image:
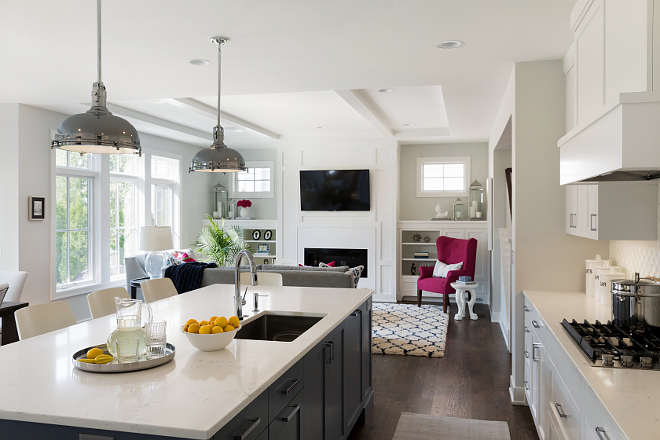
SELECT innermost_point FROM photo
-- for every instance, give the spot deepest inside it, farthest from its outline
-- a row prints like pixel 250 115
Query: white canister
pixel 589 274
pixel 604 288
pixel 598 273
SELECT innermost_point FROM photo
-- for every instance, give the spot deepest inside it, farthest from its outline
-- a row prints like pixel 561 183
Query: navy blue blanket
pixel 187 276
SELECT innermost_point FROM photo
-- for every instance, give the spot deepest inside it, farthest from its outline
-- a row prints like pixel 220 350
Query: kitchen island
pixel 192 397
pixel 620 402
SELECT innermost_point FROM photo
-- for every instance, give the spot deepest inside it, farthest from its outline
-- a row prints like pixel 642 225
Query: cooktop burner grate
pixel 611 345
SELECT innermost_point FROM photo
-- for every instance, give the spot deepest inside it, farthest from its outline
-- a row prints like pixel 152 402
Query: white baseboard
pixel 517 394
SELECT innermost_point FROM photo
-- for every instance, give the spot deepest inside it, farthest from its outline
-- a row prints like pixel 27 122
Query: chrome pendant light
pixel 218 157
pixel 97 130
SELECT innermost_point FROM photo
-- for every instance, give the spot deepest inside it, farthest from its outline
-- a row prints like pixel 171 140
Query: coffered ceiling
pixel 291 67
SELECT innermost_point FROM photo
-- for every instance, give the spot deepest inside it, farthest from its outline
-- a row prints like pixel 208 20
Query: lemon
pixel 191 321
pixel 205 330
pixel 216 329
pixel 185 328
pixel 221 321
pixel 103 359
pixel 87 361
pixel 212 319
pixel 229 328
pixel 92 353
pixel 234 322
pixel 193 328
pixel 203 323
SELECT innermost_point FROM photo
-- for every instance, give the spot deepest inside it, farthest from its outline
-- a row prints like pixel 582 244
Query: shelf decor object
pixel 37 206
pixel 218 157
pixel 256 234
pixel 458 209
pixel 476 206
pixel 220 201
pixel 97 130
pixel 243 212
pixel 268 234
pixel 263 248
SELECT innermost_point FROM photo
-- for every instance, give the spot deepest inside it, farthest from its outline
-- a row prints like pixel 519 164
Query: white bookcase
pixel 249 227
pixel 431 230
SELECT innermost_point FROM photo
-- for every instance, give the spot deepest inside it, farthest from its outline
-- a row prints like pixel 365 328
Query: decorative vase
pixel 244 212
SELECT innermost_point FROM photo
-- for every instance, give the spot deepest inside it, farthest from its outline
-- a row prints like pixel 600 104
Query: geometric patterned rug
pixel 409 330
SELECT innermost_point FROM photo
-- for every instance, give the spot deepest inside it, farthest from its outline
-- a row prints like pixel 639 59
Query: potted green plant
pixel 219 244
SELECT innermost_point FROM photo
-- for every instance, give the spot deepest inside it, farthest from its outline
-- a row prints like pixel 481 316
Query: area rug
pixel 423 427
pixel 409 330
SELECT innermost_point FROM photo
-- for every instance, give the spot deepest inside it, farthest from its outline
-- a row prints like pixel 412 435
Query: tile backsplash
pixel 638 256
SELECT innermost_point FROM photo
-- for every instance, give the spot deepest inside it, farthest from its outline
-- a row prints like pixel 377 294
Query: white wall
pixel 545 257
pixel 9 206
pixel 423 208
pixel 380 157
pixel 27 243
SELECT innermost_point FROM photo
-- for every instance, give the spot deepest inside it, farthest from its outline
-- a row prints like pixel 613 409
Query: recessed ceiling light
pixel 199 62
pixel 385 90
pixel 238 130
pixel 157 101
pixel 321 127
pixel 450 44
pixel 409 124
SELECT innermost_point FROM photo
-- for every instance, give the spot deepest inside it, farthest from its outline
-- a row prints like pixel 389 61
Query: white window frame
pixel 233 187
pixel 175 184
pixel 135 180
pixel 421 161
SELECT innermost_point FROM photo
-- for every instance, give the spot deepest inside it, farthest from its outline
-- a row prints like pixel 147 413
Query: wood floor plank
pixel 470 381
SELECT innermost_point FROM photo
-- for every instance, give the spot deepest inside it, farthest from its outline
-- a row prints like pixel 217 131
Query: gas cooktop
pixel 614 346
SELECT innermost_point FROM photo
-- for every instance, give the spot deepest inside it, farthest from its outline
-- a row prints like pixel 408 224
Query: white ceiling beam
pixel 421 132
pixel 134 114
pixel 368 109
pixel 211 112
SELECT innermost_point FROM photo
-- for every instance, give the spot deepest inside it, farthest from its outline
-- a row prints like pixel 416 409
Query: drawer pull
pixel 330 356
pixel 535 324
pixel 255 422
pixel 358 312
pixel 293 385
pixel 526 308
pixel 294 410
pixel 534 347
pixel 527 385
pixel 598 431
pixel 527 354
pixel 526 329
pixel 560 411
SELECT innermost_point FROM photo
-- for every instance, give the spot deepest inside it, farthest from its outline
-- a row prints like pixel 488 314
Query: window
pixel 123 221
pixel 256 182
pixel 164 182
pixel 443 176
pixel 73 235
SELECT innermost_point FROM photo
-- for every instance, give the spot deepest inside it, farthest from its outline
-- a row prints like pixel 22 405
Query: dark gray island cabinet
pixel 321 397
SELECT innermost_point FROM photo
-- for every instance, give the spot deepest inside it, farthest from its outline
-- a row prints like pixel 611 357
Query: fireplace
pixel 341 257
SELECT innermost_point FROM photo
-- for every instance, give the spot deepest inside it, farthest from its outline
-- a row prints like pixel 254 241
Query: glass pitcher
pixel 129 323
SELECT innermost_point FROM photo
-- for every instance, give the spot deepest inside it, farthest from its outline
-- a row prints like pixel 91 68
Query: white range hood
pixel 622 144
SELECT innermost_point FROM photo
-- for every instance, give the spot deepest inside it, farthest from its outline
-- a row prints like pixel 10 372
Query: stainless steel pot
pixel 636 302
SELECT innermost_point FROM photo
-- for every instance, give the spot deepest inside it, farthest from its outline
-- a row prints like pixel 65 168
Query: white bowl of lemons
pixel 212 335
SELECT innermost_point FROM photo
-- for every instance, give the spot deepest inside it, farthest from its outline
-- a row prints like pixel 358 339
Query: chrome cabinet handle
pixel 560 411
pixel 356 313
pixel 534 347
pixel 255 423
pixel 598 431
pixel 535 324
pixel 527 385
pixel 527 354
pixel 294 410
pixel 526 329
pixel 593 228
pixel 526 308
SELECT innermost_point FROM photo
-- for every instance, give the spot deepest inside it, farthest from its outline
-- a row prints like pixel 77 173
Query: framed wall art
pixel 37 208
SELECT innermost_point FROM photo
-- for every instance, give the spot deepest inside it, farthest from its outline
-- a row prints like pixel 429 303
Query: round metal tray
pixel 114 367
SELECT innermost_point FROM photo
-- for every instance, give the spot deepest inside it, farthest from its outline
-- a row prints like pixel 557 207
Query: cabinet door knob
pixel 526 308
pixel 255 422
pixel 535 324
pixel 526 329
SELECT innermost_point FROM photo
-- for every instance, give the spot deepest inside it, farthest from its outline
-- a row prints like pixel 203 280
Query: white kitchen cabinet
pixel 536 360
pixel 612 210
pixel 429 231
pixel 590 39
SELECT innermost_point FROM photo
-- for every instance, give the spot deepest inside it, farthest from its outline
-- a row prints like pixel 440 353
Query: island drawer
pixel 533 321
pixel 288 424
pixel 284 390
pixel 249 423
pixel 597 423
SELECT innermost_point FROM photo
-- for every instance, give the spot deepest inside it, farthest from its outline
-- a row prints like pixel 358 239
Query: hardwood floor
pixel 471 381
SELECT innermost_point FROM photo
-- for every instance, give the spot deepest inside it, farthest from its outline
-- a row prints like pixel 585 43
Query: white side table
pixel 460 299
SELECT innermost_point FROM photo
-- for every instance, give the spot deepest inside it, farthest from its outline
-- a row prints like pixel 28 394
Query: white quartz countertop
pixel 191 397
pixel 631 396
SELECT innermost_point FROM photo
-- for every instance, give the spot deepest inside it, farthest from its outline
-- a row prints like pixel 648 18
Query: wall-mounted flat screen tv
pixel 334 190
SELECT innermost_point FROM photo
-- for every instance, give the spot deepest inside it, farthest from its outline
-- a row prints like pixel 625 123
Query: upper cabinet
pixel 612 91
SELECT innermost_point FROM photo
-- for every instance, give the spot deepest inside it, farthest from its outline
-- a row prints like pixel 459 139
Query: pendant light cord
pixel 98 33
pixel 219 77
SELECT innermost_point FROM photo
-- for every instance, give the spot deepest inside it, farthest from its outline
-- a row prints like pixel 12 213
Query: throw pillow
pixel 355 273
pixel 441 269
pixel 330 264
pixel 183 256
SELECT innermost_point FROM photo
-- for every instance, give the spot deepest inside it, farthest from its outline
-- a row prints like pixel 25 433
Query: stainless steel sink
pixel 276 327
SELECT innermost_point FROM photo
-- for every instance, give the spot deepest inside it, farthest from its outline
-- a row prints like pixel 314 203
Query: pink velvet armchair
pixel 450 251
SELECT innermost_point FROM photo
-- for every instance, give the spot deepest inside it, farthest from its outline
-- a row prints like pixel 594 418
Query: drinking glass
pixel 155 337
pixel 128 350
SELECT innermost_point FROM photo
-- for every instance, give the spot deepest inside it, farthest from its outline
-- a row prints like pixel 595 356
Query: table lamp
pixel 155 239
